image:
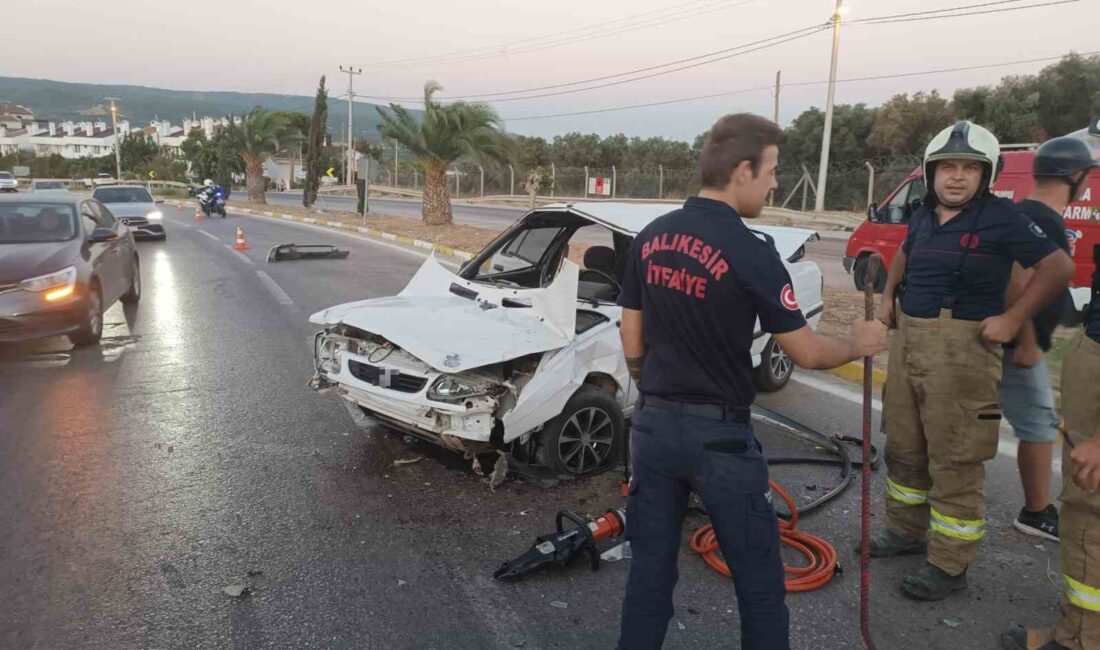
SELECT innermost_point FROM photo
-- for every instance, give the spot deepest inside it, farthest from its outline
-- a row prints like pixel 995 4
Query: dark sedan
pixel 63 261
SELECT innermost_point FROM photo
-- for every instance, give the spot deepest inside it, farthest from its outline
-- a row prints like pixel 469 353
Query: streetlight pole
pixel 827 133
pixel 350 71
pixel 118 142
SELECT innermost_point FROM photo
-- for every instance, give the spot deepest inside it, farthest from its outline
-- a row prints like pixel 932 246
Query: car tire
pixel 587 436
pixel 775 368
pixel 132 296
pixel 859 272
pixel 91 329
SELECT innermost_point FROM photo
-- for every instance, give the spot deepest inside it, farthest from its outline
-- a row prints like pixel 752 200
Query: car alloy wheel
pixel 586 440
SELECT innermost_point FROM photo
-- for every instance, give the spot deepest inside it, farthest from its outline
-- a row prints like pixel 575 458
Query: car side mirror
pixel 872 212
pixel 100 235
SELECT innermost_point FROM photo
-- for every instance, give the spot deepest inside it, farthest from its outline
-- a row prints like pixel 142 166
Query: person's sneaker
pixel 1019 638
pixel 887 543
pixel 1040 524
pixel 932 583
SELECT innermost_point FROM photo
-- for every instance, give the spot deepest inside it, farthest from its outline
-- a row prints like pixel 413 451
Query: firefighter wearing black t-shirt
pixel 940 401
pixel 696 281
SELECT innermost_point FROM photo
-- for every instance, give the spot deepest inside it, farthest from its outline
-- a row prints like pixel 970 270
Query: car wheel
pixel 775 368
pixel 585 438
pixel 91 330
pixel 132 296
pixel 859 272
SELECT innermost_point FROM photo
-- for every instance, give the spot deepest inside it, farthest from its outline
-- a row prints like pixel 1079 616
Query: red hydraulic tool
pixel 562 547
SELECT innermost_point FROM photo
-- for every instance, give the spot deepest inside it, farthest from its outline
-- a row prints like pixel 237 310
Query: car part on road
pixel 562 547
pixel 305 252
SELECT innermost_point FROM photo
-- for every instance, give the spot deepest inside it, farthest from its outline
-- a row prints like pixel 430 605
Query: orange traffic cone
pixel 241 244
pixel 198 214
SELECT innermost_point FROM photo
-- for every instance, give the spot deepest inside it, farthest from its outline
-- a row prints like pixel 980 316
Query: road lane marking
pixel 214 237
pixel 275 289
pixel 247 259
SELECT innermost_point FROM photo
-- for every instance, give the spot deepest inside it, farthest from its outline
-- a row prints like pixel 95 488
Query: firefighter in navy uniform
pixel 941 415
pixel 1078 624
pixel 695 283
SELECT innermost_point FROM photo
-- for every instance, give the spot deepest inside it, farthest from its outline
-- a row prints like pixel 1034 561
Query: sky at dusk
pixel 477 47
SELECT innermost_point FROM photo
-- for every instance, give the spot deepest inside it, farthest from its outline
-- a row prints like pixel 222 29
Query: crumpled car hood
pixel 453 333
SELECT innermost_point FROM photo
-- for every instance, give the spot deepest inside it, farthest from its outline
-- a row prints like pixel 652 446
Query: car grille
pixel 134 221
pixel 10 327
pixel 397 381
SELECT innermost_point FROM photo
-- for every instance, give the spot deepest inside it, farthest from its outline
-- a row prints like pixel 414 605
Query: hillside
pixel 56 100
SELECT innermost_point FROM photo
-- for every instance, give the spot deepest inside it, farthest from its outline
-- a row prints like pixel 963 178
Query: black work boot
pixel 931 583
pixel 1019 638
pixel 887 543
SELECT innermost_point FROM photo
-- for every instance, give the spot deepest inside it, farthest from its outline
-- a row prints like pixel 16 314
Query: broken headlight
pixel 451 388
pixel 326 354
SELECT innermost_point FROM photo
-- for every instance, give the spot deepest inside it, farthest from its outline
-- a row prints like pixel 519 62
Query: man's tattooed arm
pixel 634 365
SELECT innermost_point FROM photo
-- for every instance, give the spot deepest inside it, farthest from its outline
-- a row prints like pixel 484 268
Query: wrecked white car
pixel 518 353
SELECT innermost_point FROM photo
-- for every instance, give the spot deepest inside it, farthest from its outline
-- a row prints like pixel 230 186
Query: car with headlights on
pixel 64 259
pixel 8 182
pixel 136 208
pixel 518 352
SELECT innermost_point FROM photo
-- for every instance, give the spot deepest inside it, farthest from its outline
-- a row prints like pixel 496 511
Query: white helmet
pixel 964 141
pixel 208 183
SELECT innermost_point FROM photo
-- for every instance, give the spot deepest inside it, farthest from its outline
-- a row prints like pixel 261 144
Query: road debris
pixel 559 604
pixel 952 622
pixel 407 461
pixel 236 591
pixel 305 252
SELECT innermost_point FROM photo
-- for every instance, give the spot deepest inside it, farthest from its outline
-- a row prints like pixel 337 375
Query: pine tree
pixel 315 145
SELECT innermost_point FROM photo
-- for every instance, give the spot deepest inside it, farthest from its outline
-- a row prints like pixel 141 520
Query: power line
pixel 969 13
pixel 933 11
pixel 806 31
pixel 495 50
pixel 801 83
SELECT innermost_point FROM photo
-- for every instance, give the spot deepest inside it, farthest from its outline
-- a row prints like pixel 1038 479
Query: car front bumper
pixel 148 231
pixel 25 315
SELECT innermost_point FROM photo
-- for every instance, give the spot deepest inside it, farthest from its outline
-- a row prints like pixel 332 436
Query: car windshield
pixel 123 195
pixel 6 176
pixel 49 185
pixel 28 223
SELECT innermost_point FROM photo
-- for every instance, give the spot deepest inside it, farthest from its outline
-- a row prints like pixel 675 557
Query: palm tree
pixel 445 134
pixel 259 135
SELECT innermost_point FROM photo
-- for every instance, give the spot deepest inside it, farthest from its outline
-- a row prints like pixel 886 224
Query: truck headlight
pixel 155 215
pixel 326 354
pixel 452 388
pixel 58 284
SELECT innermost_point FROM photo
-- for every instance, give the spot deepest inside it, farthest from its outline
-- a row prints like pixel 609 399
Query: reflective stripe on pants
pixel 907 495
pixel 968 529
pixel 1082 595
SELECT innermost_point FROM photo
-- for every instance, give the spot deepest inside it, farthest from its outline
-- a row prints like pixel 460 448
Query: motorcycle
pixel 212 203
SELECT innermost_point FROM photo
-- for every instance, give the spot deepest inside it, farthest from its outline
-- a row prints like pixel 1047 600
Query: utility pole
pixel 395 145
pixel 118 142
pixel 827 133
pixel 351 72
pixel 775 113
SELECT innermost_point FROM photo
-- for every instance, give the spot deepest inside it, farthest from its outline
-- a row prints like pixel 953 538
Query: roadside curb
pixel 853 371
pixel 439 249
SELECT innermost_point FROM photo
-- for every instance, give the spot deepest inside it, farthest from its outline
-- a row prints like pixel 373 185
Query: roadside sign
pixel 21 171
pixel 600 186
pixel 329 171
pixel 152 174
pixel 300 174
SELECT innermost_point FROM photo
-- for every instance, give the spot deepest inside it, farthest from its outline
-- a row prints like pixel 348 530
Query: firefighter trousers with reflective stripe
pixel 1078 626
pixel 941 420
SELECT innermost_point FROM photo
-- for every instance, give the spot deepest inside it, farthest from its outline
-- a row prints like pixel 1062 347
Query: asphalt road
pixel 828 252
pixel 186 455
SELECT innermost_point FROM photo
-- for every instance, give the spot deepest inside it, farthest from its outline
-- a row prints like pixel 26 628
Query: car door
pixel 116 257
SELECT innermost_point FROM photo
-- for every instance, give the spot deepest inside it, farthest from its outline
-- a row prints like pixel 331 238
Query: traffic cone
pixel 198 214
pixel 241 244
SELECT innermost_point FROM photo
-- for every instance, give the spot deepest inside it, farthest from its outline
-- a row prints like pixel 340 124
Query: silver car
pixel 135 207
pixel 8 182
pixel 44 185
